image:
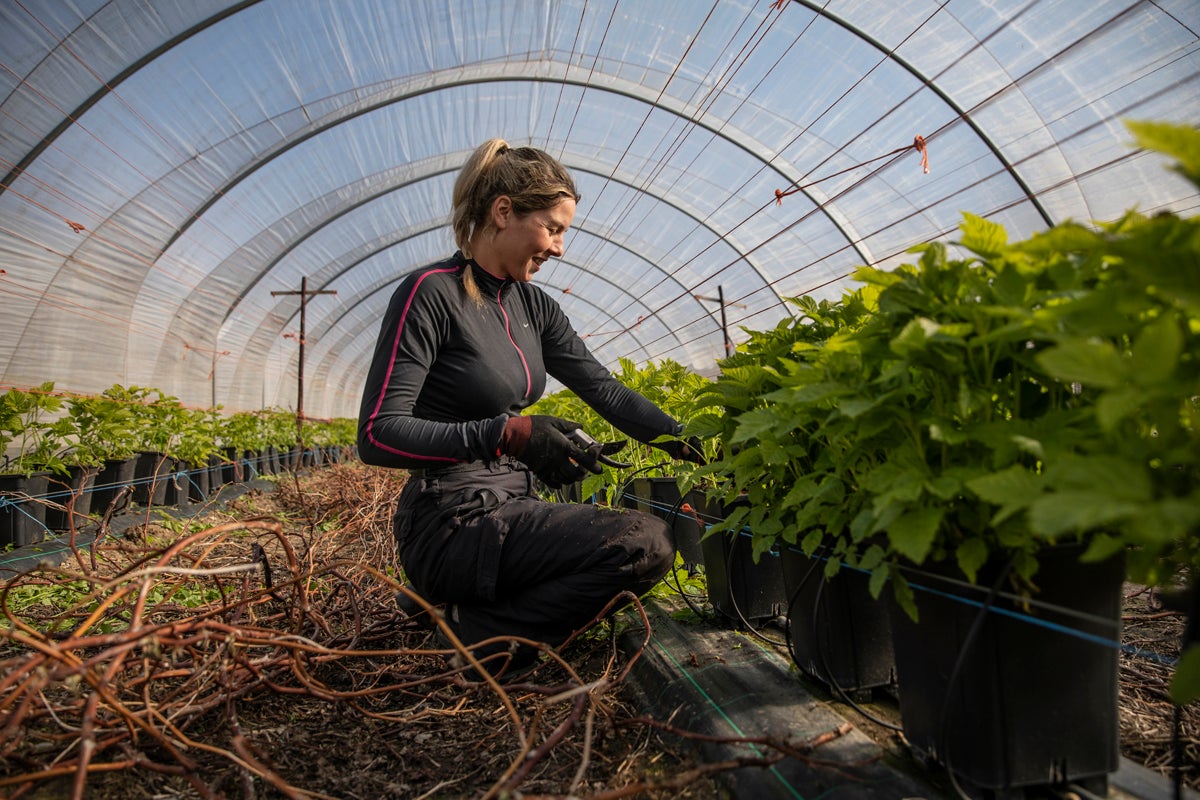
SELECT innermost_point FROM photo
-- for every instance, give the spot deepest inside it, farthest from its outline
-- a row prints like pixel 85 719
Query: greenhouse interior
pixel 866 336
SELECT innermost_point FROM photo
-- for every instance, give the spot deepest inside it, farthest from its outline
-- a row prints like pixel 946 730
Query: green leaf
pixel 1059 513
pixel 982 236
pixel 944 431
pixel 1156 352
pixel 1117 404
pixel 754 424
pixel 1102 547
pixel 1185 683
pixel 872 557
pixel 944 487
pixel 801 491
pixel 852 407
pixel 1113 476
pixel 1015 486
pixel 972 554
pixel 913 532
pixel 812 541
pixel 879 577
pixel 904 596
pixel 1181 142
pixel 1093 363
pixel 914 337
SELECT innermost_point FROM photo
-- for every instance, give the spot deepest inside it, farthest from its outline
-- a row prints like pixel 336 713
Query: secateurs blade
pixel 598 452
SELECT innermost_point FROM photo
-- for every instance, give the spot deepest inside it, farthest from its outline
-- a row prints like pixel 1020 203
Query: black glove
pixel 542 443
pixel 683 450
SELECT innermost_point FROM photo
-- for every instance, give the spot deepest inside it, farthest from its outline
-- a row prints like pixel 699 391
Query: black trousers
pixel 515 565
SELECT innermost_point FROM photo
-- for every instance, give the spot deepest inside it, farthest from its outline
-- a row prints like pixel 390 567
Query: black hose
pixel 976 626
pixel 832 681
pixel 733 600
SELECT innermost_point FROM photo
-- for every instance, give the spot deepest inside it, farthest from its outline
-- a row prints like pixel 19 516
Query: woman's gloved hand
pixel 542 443
pixel 690 449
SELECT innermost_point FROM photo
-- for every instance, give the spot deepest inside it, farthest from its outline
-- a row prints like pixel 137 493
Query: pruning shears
pixel 598 452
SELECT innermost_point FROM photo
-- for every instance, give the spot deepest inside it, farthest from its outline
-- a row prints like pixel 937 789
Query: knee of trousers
pixel 656 546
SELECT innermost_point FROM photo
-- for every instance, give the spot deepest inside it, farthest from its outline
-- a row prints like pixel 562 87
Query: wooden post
pixel 304 295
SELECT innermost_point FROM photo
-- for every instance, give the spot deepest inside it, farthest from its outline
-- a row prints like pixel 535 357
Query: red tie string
pixel 918 144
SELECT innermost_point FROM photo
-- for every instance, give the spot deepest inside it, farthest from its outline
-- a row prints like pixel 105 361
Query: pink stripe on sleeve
pixel 387 379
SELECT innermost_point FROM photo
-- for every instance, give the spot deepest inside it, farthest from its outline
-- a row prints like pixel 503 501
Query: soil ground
pixel 253 649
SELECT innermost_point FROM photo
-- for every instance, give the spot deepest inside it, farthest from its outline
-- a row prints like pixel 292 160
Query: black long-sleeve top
pixel 447 372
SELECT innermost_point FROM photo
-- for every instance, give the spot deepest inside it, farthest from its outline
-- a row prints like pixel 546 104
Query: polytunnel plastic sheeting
pixel 171 167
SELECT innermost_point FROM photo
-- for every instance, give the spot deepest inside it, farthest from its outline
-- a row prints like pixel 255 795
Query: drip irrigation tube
pixel 832 679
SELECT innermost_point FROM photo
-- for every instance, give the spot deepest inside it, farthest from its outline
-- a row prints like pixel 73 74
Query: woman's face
pixel 517 246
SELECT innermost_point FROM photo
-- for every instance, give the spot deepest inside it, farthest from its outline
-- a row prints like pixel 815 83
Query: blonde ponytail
pixel 532 179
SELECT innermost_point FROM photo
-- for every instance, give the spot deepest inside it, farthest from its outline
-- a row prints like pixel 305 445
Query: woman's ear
pixel 502 211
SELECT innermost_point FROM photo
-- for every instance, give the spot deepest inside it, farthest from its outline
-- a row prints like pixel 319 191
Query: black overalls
pixel 446 375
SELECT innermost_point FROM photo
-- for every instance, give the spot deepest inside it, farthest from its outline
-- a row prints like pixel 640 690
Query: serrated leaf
pixel 904 596
pixel 872 557
pixel 972 554
pixel 1117 404
pixel 1156 352
pixel 946 433
pixel 912 533
pixel 983 236
pixel 943 487
pixel 753 424
pixel 1059 513
pixel 879 577
pixel 914 337
pixel 1112 476
pixel 802 490
pixel 812 541
pixel 1185 683
pixel 1092 363
pixel 1014 486
pixel 1181 142
pixel 853 407
pixel 1102 547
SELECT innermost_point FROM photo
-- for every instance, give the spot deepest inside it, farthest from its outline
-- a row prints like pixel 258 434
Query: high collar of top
pixel 489 284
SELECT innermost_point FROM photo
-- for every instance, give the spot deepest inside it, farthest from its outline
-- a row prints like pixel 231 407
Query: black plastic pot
pixel 115 476
pixel 150 475
pixel 216 474
pixel 22 512
pixel 740 589
pixel 270 460
pixel 232 470
pixel 74 494
pixel 837 632
pixel 199 482
pixel 253 461
pixel 178 480
pixel 1010 700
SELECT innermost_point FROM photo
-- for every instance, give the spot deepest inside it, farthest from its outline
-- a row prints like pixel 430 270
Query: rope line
pixel 800 133
pixel 1074 178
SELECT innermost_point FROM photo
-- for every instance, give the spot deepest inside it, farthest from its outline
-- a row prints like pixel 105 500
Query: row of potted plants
pixel 75 451
pixel 1019 419
pixel 944 477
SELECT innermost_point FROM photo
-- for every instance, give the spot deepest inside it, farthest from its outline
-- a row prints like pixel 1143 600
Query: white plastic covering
pixel 171 163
